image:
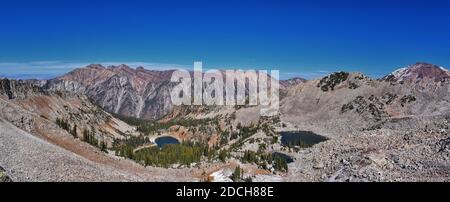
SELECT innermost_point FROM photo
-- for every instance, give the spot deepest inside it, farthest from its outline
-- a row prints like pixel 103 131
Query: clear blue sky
pixel 305 37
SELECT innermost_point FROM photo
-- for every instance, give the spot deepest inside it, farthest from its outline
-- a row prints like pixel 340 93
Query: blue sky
pixel 300 38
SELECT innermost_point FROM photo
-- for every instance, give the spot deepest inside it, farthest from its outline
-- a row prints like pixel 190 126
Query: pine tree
pixel 103 146
pixel 236 174
pixel 223 154
pixel 86 135
pixel 64 125
pixel 58 122
pixel 74 131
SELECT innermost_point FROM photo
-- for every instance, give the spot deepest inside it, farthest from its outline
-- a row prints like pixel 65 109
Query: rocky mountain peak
pixel 123 69
pixel 95 66
pixel 121 66
pixel 120 89
pixel 292 82
pixel 418 72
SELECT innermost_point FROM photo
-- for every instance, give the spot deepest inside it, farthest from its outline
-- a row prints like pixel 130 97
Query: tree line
pixel 185 153
pixel 263 160
pixel 64 124
pixel 88 136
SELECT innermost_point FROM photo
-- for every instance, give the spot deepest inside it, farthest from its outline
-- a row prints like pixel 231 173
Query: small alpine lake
pixel 301 139
pixel 165 140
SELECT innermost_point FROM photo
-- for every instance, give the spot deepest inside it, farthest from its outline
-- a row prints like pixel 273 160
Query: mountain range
pixel 387 129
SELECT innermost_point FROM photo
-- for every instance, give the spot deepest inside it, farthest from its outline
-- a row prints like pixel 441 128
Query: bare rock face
pixel 120 89
pixel 18 88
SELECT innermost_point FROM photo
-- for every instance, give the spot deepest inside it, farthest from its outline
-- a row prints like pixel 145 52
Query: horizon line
pixel 44 70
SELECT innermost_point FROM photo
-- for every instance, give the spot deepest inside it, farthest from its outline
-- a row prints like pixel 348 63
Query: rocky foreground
pixel 28 158
pixel 420 153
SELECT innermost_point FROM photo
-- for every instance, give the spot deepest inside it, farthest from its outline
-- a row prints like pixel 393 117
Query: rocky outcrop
pixel 329 82
pixel 18 88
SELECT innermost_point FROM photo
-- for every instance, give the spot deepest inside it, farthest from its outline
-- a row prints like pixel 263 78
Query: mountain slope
pixel 379 130
pixel 35 110
pixel 345 102
pixel 34 147
pixel 28 158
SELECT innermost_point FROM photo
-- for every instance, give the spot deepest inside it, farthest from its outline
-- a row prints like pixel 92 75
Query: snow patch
pixel 221 176
pixel 399 72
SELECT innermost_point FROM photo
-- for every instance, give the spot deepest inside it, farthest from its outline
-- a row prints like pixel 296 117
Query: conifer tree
pixel 74 131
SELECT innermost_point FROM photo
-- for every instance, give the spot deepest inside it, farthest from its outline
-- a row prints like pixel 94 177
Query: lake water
pixel 161 141
pixel 301 138
pixel 288 158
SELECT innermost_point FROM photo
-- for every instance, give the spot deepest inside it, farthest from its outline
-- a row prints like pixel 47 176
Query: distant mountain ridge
pixel 141 93
pixel 123 90
pixel 292 82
